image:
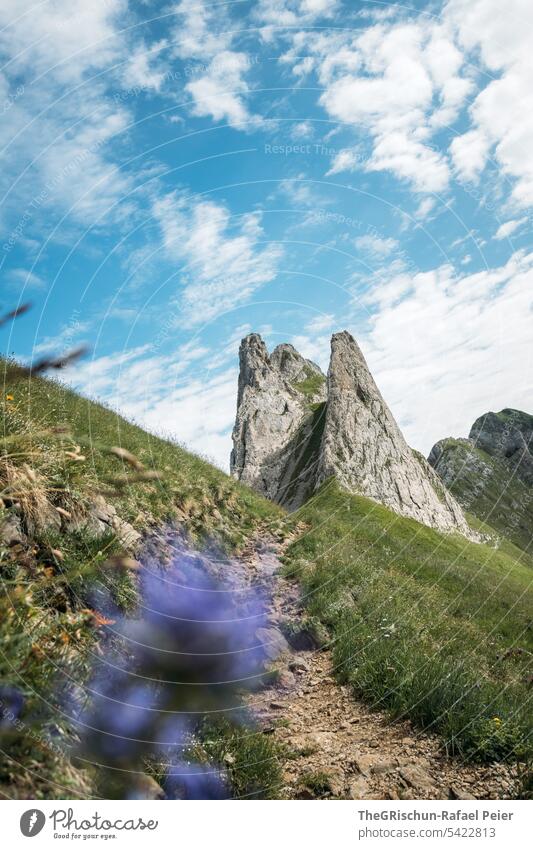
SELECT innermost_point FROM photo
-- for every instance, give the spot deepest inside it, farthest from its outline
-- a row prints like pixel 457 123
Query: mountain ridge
pixel 491 472
pixel 290 436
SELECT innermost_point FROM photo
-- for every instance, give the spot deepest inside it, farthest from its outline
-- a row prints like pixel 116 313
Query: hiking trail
pixel 336 745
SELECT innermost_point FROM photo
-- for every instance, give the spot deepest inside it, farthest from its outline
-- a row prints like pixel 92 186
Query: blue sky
pixel 176 175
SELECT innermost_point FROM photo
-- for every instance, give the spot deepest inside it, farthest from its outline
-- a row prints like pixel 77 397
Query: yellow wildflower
pixel 9 397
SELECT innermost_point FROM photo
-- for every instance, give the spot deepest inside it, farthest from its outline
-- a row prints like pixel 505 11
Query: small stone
pixel 383 767
pixel 457 792
pixel 417 778
pixel 286 680
pixel 11 531
pixel 358 788
pixel 299 665
pixel 273 642
pixel 363 764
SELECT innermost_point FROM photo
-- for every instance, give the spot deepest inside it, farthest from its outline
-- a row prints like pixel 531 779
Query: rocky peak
pixel 274 411
pixel 293 431
pixel 507 435
pixel 491 472
pixel 364 449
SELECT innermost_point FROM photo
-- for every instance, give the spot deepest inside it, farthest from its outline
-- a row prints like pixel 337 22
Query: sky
pixel 177 175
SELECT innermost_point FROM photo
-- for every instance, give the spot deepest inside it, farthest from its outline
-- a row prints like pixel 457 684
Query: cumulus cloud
pixel 398 81
pixel 292 13
pixel 376 246
pixel 218 93
pixel 502 111
pixel 63 39
pixel 344 160
pixel 55 133
pixel 224 260
pixel 508 227
pixel 219 77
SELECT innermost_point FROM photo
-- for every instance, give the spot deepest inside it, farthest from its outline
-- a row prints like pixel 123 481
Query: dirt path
pixel 336 746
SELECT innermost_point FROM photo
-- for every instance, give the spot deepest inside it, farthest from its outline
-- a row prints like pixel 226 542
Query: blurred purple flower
pixel 192 651
pixel 11 704
pixel 195 781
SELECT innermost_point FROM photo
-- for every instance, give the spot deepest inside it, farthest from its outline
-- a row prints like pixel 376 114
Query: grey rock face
pixel 491 473
pixel 275 420
pixel 363 447
pixel 507 435
pixel 293 431
pixel 99 518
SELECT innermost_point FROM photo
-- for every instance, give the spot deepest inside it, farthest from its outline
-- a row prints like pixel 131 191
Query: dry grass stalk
pixel 127 456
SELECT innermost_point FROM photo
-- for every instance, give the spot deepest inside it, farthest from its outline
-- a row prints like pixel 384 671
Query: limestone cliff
pixel 293 431
pixel 279 407
pixel 363 447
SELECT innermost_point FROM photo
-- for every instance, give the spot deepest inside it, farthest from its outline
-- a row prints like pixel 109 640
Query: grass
pixel 311 384
pixel 252 759
pixel 488 488
pixel 57 452
pixel 319 783
pixel 428 626
pixel 190 490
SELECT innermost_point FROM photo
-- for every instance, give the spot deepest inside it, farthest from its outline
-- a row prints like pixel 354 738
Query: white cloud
pixel 25 278
pixel 320 323
pixel 469 154
pixel 502 112
pixel 224 261
pixel 509 227
pixel 218 92
pixel 202 31
pixel 56 132
pixel 197 411
pixel 302 130
pixel 291 13
pixel 69 336
pixel 376 246
pixel 400 82
pixel 344 160
pixel 144 69
pixel 425 206
pixel 299 192
pixel 63 38
pixel 218 83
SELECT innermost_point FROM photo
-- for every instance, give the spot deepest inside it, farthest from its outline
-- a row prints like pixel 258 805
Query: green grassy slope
pixel 489 488
pixel 190 489
pixel 48 630
pixel 431 626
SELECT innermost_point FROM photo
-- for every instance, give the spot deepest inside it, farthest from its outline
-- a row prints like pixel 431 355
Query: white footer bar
pixel 267 825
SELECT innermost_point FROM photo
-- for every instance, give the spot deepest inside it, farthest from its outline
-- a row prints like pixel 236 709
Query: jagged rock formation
pixel 365 450
pixel 491 472
pixel 507 435
pixel 293 431
pixel 280 407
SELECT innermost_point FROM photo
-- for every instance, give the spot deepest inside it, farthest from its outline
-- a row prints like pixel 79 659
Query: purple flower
pixel 11 704
pixel 191 651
